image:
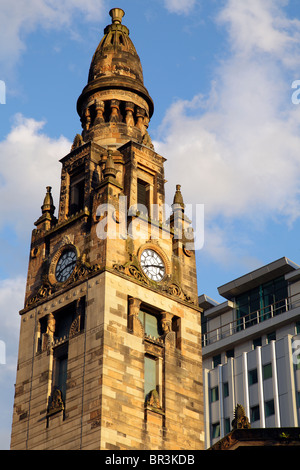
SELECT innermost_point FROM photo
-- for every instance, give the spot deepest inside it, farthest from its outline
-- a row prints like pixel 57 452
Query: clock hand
pixel 65 267
pixel 153 266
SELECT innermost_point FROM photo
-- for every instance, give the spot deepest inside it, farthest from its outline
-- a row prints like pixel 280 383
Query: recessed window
pixel 252 376
pixel 227 425
pixel 225 389
pixel 150 323
pixel 267 371
pixel 216 360
pixel 254 414
pixel 143 196
pixel 229 353
pixel 76 194
pixel 60 368
pixel 269 408
pixel 256 342
pixel 214 394
pixel 215 430
pixel 150 382
pixel 271 337
pixel 298 399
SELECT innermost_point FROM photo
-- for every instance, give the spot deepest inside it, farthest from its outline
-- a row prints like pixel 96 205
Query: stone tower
pixel 110 347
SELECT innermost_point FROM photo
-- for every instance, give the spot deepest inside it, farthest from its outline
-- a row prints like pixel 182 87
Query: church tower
pixel 110 346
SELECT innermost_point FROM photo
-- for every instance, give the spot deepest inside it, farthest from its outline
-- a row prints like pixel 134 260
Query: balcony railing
pixel 250 320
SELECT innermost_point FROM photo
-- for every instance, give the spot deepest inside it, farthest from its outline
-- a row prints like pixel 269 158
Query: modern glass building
pixel 250 355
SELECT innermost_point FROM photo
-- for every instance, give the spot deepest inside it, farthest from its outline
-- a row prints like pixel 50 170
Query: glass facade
pixel 261 303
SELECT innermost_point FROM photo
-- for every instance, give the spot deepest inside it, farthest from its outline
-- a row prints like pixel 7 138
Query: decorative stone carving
pixel 169 336
pixel 134 323
pixel 152 399
pixel 82 270
pixel 166 322
pixel 77 142
pixel 56 403
pixel 133 271
pixel 240 420
pixel 75 327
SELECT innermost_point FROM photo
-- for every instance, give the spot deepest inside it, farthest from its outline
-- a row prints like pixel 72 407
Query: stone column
pixel 129 108
pixel 115 112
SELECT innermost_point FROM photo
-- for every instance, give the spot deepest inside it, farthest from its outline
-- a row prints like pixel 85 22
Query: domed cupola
pixel 115 106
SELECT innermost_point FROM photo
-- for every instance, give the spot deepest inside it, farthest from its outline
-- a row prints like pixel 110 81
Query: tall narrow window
pixel 216 430
pixel 143 196
pixel 254 414
pixel 214 394
pixel 267 371
pixel 150 382
pixel 76 196
pixel 269 408
pixel 60 367
pixel 252 376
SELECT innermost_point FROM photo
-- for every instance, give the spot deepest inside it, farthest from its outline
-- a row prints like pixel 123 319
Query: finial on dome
pixel 117 15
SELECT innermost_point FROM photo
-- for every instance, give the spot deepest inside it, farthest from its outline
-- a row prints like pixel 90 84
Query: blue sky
pixel 220 74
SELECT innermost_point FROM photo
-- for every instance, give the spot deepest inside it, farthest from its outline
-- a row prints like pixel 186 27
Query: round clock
pixel 152 265
pixel 65 265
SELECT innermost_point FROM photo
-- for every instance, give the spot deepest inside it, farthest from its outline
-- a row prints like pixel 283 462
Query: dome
pixel 116 64
pixel 116 55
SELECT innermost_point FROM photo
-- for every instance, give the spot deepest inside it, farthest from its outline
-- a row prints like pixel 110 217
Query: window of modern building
pixel 269 408
pixel 256 342
pixel 216 360
pixel 252 376
pixel 214 394
pixel 225 389
pixel 227 425
pixel 271 337
pixel 261 303
pixel 297 327
pixel 254 414
pixel 215 430
pixel 229 353
pixel 298 399
pixel 267 371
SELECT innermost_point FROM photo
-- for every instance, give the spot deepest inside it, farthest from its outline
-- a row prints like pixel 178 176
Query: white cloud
pixel 29 163
pixel 258 26
pixel 19 18
pixel 237 150
pixel 11 301
pixel 180 6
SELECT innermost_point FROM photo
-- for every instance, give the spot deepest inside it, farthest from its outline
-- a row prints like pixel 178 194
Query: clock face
pixel 65 265
pixel 152 265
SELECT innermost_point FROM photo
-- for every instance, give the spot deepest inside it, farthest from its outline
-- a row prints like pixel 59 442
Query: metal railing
pixel 253 318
